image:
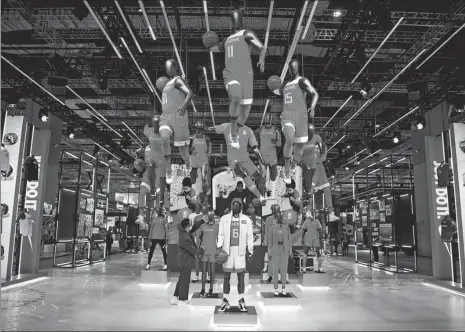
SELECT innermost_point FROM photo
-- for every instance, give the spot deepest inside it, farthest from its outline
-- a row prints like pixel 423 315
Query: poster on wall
pixel 385 232
pixel 99 217
pixel 10 180
pixel 364 221
pixel 382 217
pixel 388 210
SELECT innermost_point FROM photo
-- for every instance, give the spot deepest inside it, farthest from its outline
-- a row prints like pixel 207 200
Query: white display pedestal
pixel 155 277
pixel 269 299
pixel 235 317
pixel 313 279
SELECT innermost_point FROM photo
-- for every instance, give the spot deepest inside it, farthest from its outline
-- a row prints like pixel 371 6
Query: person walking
pixel 187 251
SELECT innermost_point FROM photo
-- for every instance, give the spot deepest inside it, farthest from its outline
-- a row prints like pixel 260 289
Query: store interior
pixel 95 152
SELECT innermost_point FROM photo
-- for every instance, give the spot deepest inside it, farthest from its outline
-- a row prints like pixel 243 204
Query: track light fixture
pixel 418 123
pixel 70 133
pixel 43 115
pixel 397 137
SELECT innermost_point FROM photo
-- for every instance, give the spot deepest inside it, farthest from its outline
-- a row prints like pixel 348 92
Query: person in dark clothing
pixel 187 251
pixel 244 196
pixel 109 241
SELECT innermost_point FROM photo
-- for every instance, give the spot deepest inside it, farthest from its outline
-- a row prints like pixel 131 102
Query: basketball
pixel 289 217
pixel 210 39
pixel 161 82
pixel 139 164
pixel 274 83
pixel 221 256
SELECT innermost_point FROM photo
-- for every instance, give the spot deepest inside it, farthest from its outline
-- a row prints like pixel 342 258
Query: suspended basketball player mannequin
pixel 200 155
pixel 176 94
pixel 238 71
pixel 294 118
pixel 270 140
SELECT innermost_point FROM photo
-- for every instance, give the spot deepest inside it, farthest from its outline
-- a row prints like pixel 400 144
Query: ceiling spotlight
pixel 70 133
pixel 418 123
pixel 396 138
pixel 347 168
pixel 43 115
pixel 337 13
pixel 377 125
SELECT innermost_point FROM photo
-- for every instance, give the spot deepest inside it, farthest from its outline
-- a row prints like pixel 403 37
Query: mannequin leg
pixel 283 262
pixel 184 152
pixel 152 249
pixel 289 135
pixel 241 283
pixel 227 283
pixel 275 269
pixel 328 199
pixel 298 151
pixel 204 275
pixel 235 94
pixel 166 149
pixel 212 275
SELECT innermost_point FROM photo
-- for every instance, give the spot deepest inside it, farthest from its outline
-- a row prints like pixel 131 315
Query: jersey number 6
pixel 235 233
pixel 230 51
pixel 288 98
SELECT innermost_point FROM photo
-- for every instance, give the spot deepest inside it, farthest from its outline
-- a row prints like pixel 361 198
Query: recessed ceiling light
pixel 337 13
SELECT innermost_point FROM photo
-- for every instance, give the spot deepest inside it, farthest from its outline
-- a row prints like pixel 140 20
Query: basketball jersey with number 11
pixel 237 53
pixel 235 231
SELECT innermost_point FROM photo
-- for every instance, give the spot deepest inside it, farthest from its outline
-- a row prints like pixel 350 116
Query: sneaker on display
pixel 195 279
pixel 269 280
pixel 242 306
pixel 174 300
pixel 184 303
pixel 165 267
pixel 283 292
pixel 147 267
pixel 210 293
pixel 276 293
pixel 140 219
pixel 333 217
pixel 202 293
pixel 234 141
pixel 224 305
pixel 169 177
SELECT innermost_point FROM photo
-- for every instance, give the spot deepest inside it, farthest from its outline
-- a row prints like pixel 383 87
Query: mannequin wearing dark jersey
pixel 311 235
pixel 280 249
pixel 157 235
pixel 207 235
pixel 200 149
pixel 270 221
pixel 239 159
pixel 294 118
pixel 238 72
pixel 174 121
pixel 270 140
pixel 197 219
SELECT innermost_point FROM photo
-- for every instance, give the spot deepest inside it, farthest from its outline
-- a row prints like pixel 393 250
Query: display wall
pixel 15 129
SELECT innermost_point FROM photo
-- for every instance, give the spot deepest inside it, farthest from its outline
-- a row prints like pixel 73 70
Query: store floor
pixel 108 296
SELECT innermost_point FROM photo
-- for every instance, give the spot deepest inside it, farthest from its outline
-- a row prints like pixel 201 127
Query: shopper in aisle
pixel 109 241
pixel 187 251
pixel 311 236
pixel 157 235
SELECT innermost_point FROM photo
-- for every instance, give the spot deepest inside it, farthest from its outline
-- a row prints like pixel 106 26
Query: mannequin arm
pixel 181 85
pixel 305 85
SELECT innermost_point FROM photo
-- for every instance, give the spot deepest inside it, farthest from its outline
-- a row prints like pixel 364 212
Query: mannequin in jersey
pixel 208 235
pixel 200 149
pixel 174 120
pixel 270 140
pixel 294 118
pixel 280 249
pixel 238 72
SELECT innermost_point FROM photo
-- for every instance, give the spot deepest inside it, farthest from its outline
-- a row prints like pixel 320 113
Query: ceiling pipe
pixel 128 26
pixel 146 18
pixel 205 10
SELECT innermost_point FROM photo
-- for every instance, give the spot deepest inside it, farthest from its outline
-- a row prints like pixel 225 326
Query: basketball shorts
pixel 239 82
pixel 320 179
pixel 309 244
pixel 245 166
pixel 199 160
pixel 208 257
pixel 178 126
pixel 235 262
pixel 270 160
pixel 298 121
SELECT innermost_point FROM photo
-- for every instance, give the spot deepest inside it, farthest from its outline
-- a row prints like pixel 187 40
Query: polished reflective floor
pixel 108 296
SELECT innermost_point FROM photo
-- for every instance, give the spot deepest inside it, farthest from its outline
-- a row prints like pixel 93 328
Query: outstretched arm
pixel 182 85
pixel 305 85
pixel 253 40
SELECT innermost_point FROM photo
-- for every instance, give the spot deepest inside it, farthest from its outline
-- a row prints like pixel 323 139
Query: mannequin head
pixel 236 208
pixel 171 67
pixel 156 123
pixel 251 210
pixel 198 208
pixel 198 125
pixel 236 20
pixel 294 67
pixel 268 119
pixel 205 209
pixel 211 217
pixel 311 131
pixel 239 186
